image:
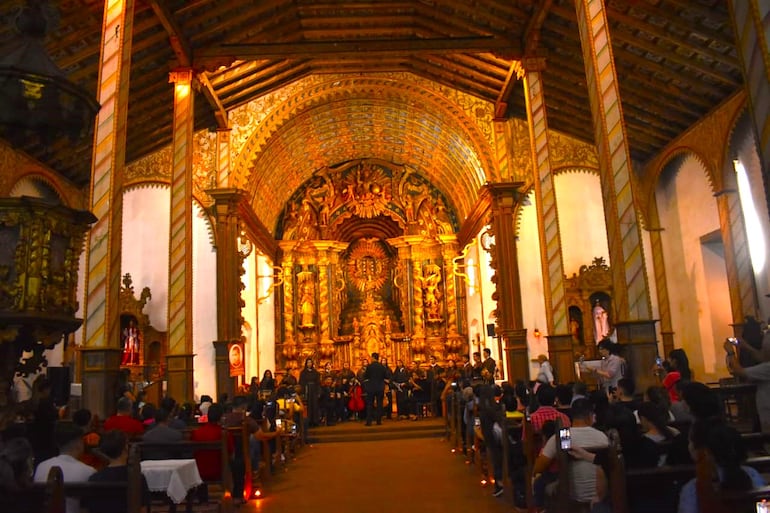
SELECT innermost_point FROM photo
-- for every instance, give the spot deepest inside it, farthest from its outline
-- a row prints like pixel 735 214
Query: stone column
pixel 740 273
pixel 661 283
pixel 631 299
pixel 557 316
pixel 101 329
pixel 510 324
pixel 751 32
pixel 180 285
pixel 229 271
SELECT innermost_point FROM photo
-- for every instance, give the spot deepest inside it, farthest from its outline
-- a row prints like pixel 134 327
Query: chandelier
pixel 36 98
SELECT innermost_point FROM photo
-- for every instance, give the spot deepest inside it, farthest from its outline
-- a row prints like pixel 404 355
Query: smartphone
pixel 278 423
pixel 763 506
pixel 659 361
pixel 733 341
pixel 565 437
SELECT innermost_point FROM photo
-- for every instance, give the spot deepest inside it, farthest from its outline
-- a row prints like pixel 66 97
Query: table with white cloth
pixel 175 477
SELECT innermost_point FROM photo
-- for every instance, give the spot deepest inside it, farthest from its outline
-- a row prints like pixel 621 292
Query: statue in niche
pixel 601 322
pixel 441 218
pixel 307 306
pixel 323 194
pixel 290 222
pixel 307 221
pixel 431 298
pixel 412 192
pixel 130 338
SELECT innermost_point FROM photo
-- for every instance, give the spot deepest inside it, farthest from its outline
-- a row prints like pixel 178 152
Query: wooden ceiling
pixel 676 59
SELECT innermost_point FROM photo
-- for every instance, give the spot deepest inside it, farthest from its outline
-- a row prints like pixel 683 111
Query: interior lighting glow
pixel 755 236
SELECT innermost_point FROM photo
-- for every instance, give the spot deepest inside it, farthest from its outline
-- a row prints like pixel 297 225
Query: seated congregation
pixel 146 457
pixel 680 446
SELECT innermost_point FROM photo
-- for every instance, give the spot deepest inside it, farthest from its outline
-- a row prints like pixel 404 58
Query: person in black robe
pixel 310 382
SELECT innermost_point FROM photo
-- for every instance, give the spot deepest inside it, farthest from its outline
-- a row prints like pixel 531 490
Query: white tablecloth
pixel 175 477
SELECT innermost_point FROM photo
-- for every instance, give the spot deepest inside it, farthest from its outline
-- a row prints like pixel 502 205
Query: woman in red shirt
pixel 679 370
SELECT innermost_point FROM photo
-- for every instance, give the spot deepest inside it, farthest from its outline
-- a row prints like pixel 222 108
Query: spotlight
pixel 257 493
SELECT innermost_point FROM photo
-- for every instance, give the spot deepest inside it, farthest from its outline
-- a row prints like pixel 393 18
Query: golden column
pixel 289 349
pixel 629 278
pixel 328 258
pixel 409 282
pixel 510 324
pixel 229 285
pixel 180 284
pixel 557 319
pixel 455 342
pixel 101 329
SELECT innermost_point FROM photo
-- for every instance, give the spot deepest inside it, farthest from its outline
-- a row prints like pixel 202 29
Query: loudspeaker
pixel 60 384
pixel 490 330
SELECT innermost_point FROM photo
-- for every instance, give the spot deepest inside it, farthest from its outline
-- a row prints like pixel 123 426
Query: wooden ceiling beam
pixel 663 35
pixel 374 48
pixel 680 23
pixel 620 36
pixel 531 38
pixel 220 113
pixel 431 71
pixel 176 38
pixel 263 87
pixel 453 24
pixel 455 70
pixel 481 65
pixel 254 75
pixel 501 103
pixel 623 56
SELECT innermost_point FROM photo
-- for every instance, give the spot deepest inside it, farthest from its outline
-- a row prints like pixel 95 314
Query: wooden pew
pixel 51 496
pixel 189 447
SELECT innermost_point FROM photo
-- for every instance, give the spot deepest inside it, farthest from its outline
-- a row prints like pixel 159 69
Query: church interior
pixel 327 179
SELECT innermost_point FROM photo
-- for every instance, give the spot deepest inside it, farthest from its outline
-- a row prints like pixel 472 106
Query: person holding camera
pixel 758 374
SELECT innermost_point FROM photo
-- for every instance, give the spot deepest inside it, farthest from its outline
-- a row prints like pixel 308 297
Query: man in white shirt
pixel 69 439
pixel 582 473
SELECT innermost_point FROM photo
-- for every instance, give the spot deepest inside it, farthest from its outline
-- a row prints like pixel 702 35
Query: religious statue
pixel 441 218
pixel 431 295
pixel 601 322
pixel 307 306
pixel 130 344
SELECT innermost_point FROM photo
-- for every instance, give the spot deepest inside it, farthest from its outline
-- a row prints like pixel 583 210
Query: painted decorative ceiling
pixel 676 60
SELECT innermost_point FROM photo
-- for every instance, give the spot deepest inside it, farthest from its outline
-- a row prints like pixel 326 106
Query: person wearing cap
pixel 69 439
pixel 545 374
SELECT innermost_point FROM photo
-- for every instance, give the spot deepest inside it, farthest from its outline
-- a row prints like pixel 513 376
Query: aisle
pixel 399 476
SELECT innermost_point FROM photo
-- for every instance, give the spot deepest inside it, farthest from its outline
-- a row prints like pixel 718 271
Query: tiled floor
pixel 399 476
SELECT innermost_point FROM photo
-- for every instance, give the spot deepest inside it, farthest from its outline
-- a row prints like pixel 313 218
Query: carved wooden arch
pixel 415 96
pixel 707 141
pixel 49 180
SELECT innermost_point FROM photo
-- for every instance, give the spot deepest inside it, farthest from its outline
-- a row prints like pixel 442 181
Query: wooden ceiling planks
pixel 675 59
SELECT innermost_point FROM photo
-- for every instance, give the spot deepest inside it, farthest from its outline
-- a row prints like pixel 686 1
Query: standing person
pixel 489 363
pixel 545 374
pixel 679 370
pixel 310 381
pixel 375 389
pixel 399 383
pixel 611 369
pixel 268 382
pixel 759 374
pixel 467 368
pixel 388 389
pixel 434 375
pixel 476 372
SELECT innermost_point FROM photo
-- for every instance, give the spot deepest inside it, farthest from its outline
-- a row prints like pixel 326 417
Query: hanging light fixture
pixel 36 98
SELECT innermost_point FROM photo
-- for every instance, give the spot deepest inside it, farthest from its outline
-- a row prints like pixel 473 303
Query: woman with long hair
pixel 679 369
pixel 268 382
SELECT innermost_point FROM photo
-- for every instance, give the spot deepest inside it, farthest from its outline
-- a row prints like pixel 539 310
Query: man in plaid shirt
pixel 546 395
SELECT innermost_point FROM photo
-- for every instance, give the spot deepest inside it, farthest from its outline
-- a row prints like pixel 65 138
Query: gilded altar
pixel 367 266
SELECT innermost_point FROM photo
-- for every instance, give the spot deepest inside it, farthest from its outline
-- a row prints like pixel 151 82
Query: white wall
pixel 581 219
pixel 146 217
pixel 266 328
pixel 531 281
pixel 698 294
